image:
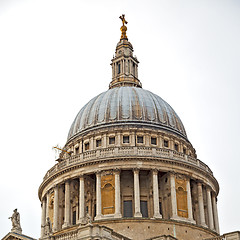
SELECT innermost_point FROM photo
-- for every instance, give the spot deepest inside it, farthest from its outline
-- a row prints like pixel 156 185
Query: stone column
pixel 55 210
pixel 201 205
pixel 47 205
pixel 210 211
pixel 117 195
pixel 113 70
pixel 189 201
pixel 132 139
pixel 81 199
pixel 104 141
pixel 215 213
pixel 130 67
pixel 118 140
pixel 173 196
pixel 91 144
pixel 156 213
pixel 137 193
pixel 98 196
pixel 136 73
pixel 43 219
pixel 67 205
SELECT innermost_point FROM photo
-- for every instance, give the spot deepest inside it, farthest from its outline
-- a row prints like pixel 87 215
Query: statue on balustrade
pixel 15 218
pixel 48 227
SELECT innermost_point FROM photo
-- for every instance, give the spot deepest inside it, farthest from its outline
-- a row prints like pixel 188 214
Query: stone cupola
pixel 124 64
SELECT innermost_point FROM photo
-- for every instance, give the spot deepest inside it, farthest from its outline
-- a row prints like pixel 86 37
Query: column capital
pixel 199 182
pixel 208 188
pixel 117 170
pixel 81 176
pixel 55 186
pixel 98 173
pixel 172 173
pixel 154 171
pixel 136 170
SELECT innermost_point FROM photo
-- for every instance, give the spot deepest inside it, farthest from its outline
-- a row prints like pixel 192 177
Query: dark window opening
pixel 127 208
pixel 125 139
pixel 111 140
pixel 144 208
pixel 86 146
pixel 165 143
pixel 77 150
pixel 95 210
pixel 86 209
pixel 184 150
pixel 139 139
pixel 98 143
pixel 119 68
pixel 74 216
pixel 160 208
pixel 153 141
pixel 176 147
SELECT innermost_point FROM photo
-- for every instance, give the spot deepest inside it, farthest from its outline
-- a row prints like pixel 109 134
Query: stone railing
pixel 216 238
pixel 120 152
pixel 71 235
pixel 227 236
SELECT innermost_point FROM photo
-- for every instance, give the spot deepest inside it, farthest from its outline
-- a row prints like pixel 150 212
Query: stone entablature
pixel 119 153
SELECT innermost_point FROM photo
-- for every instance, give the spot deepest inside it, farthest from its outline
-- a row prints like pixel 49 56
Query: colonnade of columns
pixel 211 201
pixel 126 67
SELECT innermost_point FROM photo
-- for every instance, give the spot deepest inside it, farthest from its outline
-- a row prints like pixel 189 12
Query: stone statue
pixel 48 227
pixel 88 219
pixel 15 218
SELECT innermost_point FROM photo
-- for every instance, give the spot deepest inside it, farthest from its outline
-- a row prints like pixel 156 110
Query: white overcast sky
pixel 55 56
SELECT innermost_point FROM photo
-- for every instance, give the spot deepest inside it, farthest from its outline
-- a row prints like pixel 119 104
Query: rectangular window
pixel 165 143
pixel 176 147
pixel 111 140
pixel 139 139
pixel 86 146
pixel 74 216
pixel 119 68
pixel 125 139
pixel 98 143
pixel 184 150
pixel 144 208
pixel 77 150
pixel 153 141
pixel 95 210
pixel 160 208
pixel 127 209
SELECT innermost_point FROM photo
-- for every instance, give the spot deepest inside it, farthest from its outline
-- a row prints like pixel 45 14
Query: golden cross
pixel 123 19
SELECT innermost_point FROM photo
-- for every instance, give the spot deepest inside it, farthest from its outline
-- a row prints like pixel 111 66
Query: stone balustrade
pixel 227 236
pixel 67 235
pixel 121 152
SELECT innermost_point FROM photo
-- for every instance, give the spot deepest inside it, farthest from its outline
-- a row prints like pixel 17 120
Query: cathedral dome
pixel 128 170
pixel 127 105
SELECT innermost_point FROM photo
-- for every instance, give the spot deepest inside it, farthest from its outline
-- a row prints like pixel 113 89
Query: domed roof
pixel 127 105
